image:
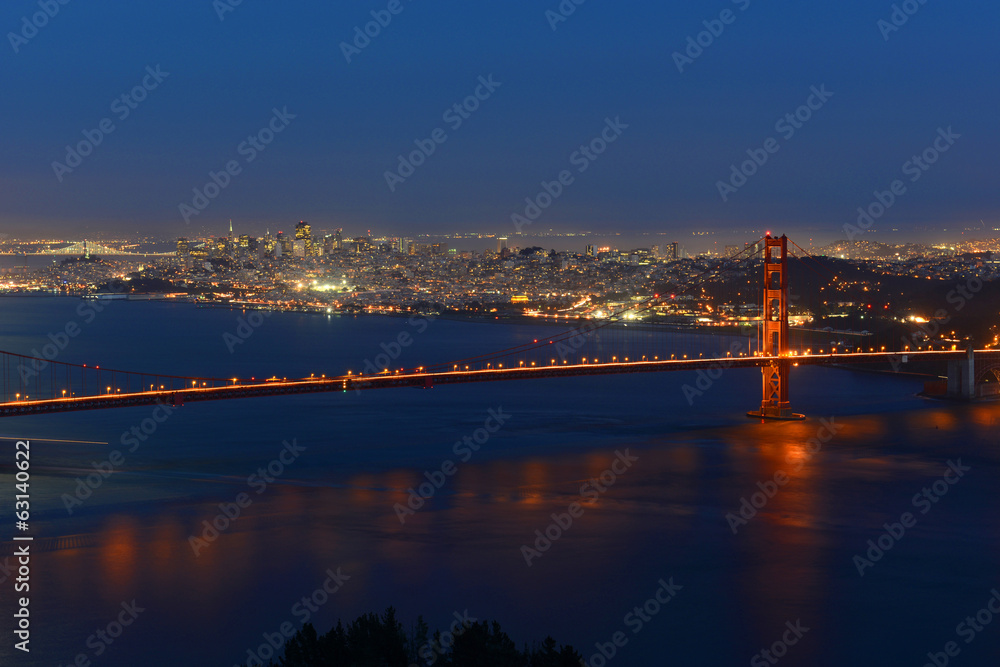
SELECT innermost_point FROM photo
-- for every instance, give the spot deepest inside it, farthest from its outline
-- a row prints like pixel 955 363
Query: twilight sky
pixel 557 91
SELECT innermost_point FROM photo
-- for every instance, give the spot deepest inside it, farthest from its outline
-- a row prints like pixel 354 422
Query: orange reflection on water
pixel 534 480
pixel 118 549
pixel 783 543
pixel 362 491
pixel 165 549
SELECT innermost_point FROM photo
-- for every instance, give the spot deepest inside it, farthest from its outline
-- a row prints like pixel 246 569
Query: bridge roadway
pixel 427 380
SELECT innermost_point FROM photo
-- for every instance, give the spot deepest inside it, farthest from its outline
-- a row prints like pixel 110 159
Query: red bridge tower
pixel 774 334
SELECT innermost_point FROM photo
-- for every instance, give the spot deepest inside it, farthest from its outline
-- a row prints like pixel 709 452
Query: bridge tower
pixel 774 334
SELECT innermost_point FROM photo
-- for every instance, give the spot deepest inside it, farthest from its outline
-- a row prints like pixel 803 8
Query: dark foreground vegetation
pixel 381 641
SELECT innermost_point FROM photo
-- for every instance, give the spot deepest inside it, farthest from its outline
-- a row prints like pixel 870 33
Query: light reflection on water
pixel 664 517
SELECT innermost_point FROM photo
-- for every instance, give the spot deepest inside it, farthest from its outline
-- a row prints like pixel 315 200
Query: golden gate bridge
pixel 33 385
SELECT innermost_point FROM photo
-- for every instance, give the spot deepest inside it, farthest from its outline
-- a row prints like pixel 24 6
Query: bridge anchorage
pixel 774 334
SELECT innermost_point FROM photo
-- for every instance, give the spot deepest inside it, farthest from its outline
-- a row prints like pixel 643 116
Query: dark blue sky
pixel 608 59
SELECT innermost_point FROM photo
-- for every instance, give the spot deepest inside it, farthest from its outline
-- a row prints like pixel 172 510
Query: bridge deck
pixel 427 380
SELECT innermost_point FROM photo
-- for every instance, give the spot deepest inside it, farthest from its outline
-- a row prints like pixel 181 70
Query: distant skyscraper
pixel 303 232
pixel 183 248
pixel 590 250
pixel 501 244
pixel 672 251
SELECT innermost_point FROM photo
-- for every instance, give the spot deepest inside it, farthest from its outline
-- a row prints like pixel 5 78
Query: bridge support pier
pixel 774 403
pixel 962 377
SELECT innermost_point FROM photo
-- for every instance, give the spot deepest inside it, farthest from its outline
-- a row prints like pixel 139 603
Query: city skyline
pixel 653 117
pixel 702 301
